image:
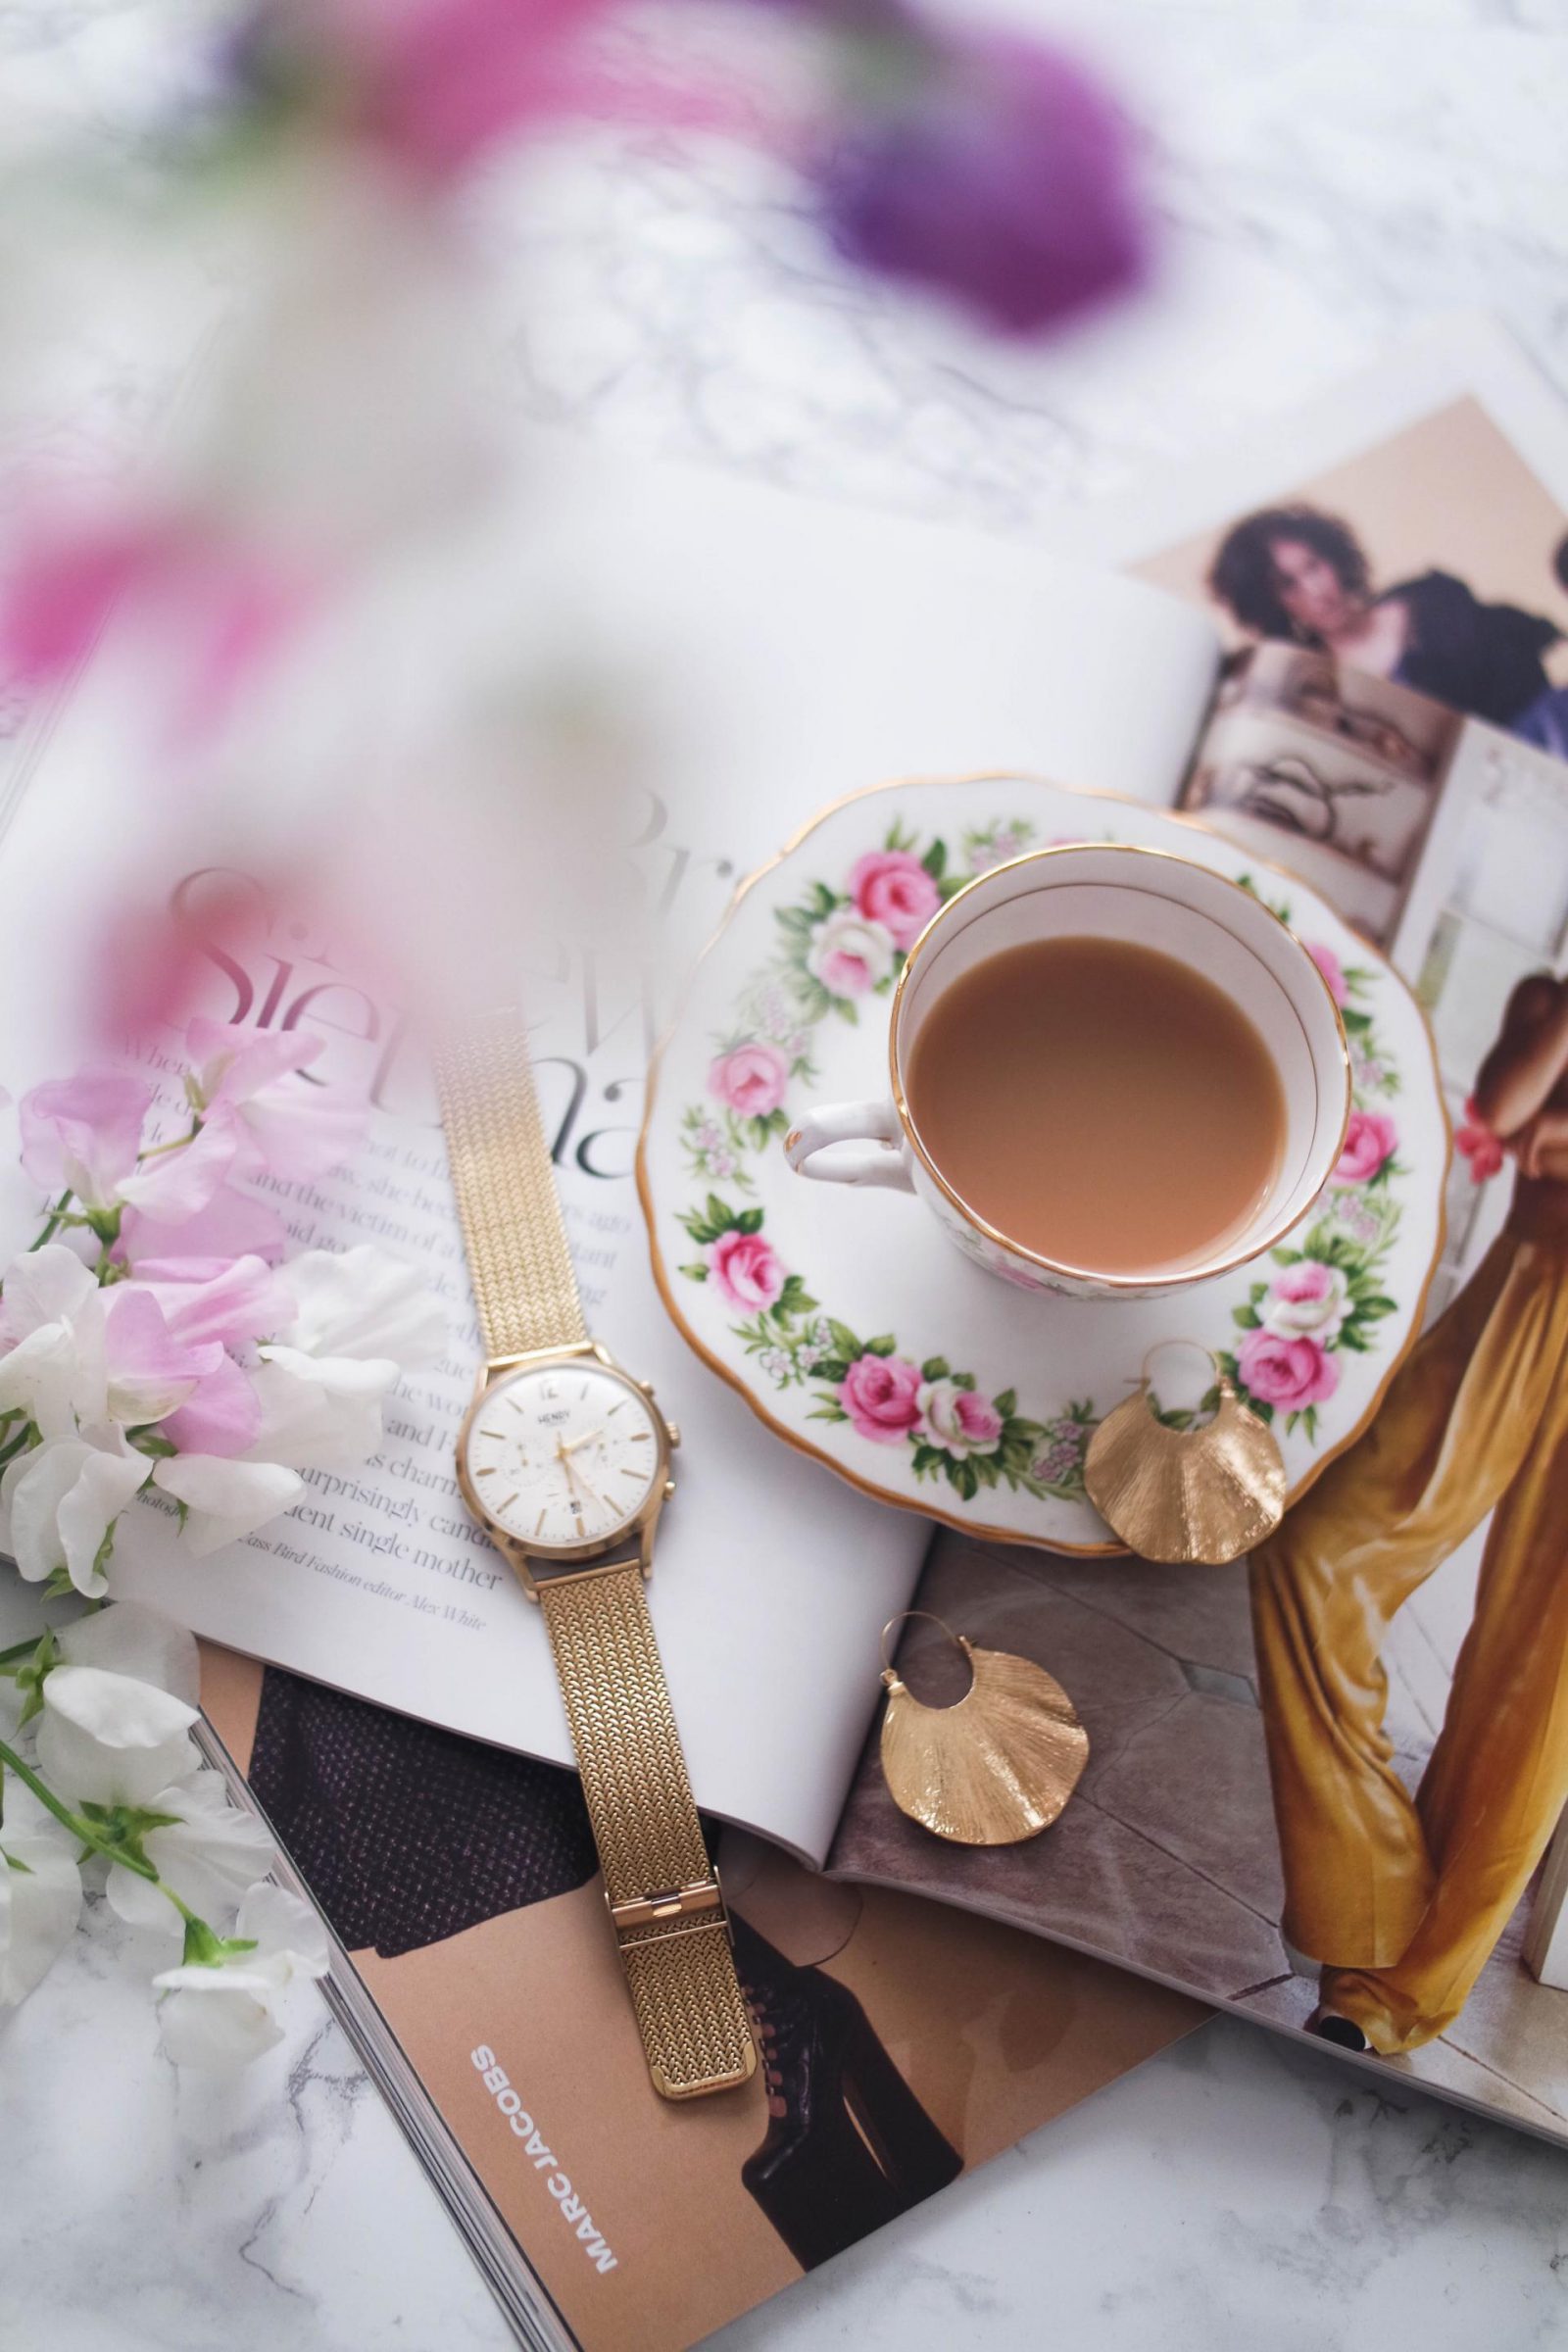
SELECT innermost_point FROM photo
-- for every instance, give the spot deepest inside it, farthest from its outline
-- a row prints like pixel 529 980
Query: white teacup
pixel 1155 900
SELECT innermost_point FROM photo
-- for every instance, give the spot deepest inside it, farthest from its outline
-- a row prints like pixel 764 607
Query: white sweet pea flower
pixel 109 1739
pixel 363 1317
pixel 129 1639
pixel 208 1855
pixel 40 1893
pixel 223 2014
pixel 362 1303
pixel 54 1369
pixel 59 1500
pixel 320 1413
pixel 225 1499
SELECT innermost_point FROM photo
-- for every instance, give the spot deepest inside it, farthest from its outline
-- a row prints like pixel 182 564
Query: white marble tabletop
pixel 1333 170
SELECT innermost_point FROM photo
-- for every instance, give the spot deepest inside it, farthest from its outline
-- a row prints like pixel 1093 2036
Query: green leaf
pixel 1282 1257
pixel 883 1345
pixel 964 1380
pixel 1355 1022
pixel 824 899
pixel 827 1412
pixel 750 1220
pixel 1007 1403
pixel 935 1367
pixel 696 1273
pixel 935 860
pixel 719 1215
pixel 1373 1308
pixel 844 1342
pixel 832 1368
pixel 963 1477
pixel 1246 1318
pixel 793 919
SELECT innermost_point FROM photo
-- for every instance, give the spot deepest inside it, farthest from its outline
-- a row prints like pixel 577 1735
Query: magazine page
pixel 1331 1782
pixel 871 647
pixel 901 2043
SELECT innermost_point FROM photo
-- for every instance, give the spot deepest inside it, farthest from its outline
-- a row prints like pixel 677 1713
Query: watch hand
pixel 572 1444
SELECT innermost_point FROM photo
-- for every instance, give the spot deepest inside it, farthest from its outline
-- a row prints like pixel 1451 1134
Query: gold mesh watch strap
pixel 663 1898
pixel 524 1285
pixel 668 1916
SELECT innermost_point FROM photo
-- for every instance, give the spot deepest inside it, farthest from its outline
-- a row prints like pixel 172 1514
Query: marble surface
pixel 1330 171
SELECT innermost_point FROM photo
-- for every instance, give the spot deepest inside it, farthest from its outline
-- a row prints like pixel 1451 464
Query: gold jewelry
pixel 541 1487
pixel 994 1768
pixel 1186 1495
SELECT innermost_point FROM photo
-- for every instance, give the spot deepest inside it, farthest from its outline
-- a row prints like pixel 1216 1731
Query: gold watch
pixel 565 1462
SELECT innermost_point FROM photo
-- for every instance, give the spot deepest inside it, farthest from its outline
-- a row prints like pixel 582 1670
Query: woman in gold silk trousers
pixel 1399 1900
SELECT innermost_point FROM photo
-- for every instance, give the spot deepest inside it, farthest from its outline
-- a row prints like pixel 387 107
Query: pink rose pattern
pixel 751 1079
pixel 1293 1373
pixel 881 1395
pixel 893 887
pixel 745 1270
pixel 845 943
pixel 1369 1142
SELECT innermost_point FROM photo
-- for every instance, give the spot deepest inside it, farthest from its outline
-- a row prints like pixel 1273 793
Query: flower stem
pixel 55 1220
pixel 84 1831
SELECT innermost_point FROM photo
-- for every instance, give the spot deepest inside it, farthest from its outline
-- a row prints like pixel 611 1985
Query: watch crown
pixel 670 1488
pixel 646 1387
pixel 672 1433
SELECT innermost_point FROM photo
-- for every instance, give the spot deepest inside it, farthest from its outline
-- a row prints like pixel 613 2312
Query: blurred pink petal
pixel 60 590
pixel 233 1224
pixel 208 1299
pixel 83 1133
pixel 220 603
pixel 222 1415
pixel 434 84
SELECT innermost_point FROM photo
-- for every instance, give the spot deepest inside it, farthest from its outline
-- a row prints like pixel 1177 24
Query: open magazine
pixel 878 648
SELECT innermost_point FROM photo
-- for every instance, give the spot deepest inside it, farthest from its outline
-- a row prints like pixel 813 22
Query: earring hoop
pixel 1187 1496
pixel 994 1767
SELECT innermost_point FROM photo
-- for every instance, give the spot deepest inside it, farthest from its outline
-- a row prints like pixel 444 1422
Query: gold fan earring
pixel 995 1767
pixel 1187 1495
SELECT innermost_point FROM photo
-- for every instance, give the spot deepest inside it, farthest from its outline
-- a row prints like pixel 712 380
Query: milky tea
pixel 1101 1103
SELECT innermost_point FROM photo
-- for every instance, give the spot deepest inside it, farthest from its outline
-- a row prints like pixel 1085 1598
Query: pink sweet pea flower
pixel 1369 1141
pixel 988 166
pixel 881 1393
pixel 150 1369
pixel 233 1224
pixel 203 1298
pixel 295 1130
pixel 83 1134
pixel 892 887
pixel 223 1414
pixel 1333 971
pixel 751 1079
pixel 745 1270
pixel 1292 1373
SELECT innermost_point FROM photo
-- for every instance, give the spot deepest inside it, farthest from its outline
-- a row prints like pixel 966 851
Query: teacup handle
pixel 872 1125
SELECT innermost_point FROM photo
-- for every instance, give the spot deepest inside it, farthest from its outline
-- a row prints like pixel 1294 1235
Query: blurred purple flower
pixel 988 166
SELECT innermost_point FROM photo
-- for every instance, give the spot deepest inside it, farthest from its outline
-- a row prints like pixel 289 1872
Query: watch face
pixel 564 1455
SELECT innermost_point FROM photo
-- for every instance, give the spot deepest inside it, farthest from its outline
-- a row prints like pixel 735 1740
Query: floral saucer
pixel 856 1331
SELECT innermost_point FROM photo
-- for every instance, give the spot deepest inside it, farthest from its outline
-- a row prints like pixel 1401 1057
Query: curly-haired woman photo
pixel 1297 573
